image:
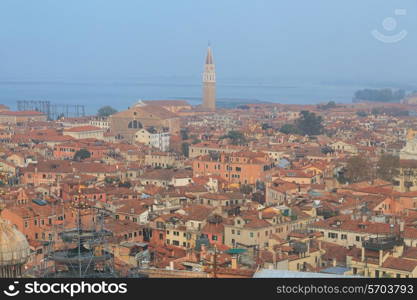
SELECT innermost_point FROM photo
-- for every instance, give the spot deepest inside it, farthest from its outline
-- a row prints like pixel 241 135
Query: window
pixel 332 235
pixel 358 238
pixel 251 234
pixel 343 237
pixel 214 237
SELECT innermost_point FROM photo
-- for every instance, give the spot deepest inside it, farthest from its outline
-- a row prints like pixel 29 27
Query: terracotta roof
pixel 82 128
pixel 398 263
pixel 22 113
pixel 166 102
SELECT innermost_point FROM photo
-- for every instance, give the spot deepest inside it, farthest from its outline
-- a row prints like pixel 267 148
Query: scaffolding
pixel 53 111
pixel 84 252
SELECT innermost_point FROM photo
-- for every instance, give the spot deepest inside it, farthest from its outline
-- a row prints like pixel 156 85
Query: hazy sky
pixel 119 40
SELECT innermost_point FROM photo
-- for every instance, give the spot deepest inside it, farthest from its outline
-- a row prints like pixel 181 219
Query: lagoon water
pixel 122 94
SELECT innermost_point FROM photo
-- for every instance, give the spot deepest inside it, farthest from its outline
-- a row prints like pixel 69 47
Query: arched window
pixel 135 124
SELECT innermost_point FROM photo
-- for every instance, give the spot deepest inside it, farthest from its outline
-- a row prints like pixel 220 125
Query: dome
pixel 14 248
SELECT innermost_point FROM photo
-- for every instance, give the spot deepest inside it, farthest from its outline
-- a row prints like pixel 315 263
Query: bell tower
pixel 209 82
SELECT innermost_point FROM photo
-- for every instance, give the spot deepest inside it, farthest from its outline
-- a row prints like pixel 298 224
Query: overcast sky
pixel 292 39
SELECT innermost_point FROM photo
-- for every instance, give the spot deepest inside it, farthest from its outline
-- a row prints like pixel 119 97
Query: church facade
pixel 127 123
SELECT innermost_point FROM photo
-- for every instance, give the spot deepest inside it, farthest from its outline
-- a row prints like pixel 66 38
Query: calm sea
pixel 121 94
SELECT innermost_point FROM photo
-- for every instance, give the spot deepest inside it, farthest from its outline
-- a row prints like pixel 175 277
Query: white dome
pixel 14 248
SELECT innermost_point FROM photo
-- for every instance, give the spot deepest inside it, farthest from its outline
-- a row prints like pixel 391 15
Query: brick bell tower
pixel 209 82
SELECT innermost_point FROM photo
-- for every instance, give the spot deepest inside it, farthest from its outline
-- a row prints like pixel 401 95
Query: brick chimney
pixel 234 262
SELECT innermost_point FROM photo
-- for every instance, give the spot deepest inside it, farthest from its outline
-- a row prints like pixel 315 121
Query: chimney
pixel 260 215
pixel 234 262
pixel 171 265
pixel 402 224
pixel 381 256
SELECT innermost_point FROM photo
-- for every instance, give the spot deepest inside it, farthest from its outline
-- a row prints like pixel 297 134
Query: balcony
pixel 299 247
pixel 382 243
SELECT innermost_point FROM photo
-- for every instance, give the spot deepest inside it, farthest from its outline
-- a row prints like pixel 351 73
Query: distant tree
pixel 381 95
pixel 390 111
pixel 236 137
pixel 185 149
pixel 362 113
pixel 106 111
pixel 309 123
pixel 388 167
pixel 243 106
pixel 196 141
pixel 329 105
pixel 82 154
pixel 358 169
pixel 289 129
